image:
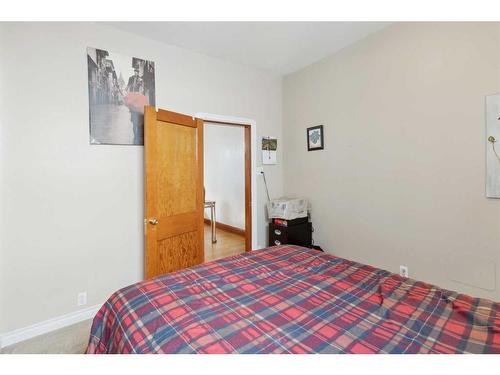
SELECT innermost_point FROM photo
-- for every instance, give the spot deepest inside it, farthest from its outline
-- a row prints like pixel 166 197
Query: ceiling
pixel 277 47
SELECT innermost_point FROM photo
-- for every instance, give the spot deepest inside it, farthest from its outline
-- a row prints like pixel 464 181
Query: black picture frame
pixel 309 133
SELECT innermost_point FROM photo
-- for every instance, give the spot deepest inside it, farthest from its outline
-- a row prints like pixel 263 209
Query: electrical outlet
pixel 403 271
pixel 82 299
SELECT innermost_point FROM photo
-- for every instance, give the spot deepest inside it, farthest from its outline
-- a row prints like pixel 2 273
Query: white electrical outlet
pixel 403 271
pixel 82 299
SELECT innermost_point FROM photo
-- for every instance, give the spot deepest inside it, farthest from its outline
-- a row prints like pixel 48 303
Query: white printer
pixel 287 208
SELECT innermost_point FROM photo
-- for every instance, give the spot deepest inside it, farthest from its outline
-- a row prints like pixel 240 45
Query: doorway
pixel 227 176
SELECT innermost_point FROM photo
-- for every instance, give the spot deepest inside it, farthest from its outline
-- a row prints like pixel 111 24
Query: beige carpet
pixel 68 340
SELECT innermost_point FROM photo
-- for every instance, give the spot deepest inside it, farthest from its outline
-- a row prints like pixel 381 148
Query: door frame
pixel 252 126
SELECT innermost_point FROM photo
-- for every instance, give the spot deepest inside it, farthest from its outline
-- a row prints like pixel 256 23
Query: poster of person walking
pixel 119 88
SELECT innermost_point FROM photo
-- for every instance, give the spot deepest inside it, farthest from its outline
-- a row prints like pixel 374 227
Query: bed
pixel 290 299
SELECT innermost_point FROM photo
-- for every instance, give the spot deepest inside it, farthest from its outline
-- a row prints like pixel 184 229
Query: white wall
pixel 2 182
pixel 72 212
pixel 402 176
pixel 225 172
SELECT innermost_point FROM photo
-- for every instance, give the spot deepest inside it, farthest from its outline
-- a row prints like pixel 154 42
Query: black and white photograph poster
pixel 119 88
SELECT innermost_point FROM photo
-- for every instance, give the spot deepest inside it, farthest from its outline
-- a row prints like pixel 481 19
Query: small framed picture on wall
pixel 315 138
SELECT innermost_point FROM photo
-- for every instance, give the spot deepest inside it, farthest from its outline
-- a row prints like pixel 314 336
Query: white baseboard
pixel 37 329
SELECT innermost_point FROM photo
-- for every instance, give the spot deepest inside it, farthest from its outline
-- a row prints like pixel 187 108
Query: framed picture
pixel 315 140
pixel 269 147
pixel 493 146
pixel 119 88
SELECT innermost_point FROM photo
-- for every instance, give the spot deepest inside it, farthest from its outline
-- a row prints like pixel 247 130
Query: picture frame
pixel 269 150
pixel 119 87
pixel 315 138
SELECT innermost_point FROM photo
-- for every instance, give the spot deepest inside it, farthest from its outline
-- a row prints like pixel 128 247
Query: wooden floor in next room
pixel 227 244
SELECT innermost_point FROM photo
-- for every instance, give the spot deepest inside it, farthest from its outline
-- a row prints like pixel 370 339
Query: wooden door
pixel 174 202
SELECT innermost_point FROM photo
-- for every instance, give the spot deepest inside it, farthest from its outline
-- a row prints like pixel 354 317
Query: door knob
pixel 153 221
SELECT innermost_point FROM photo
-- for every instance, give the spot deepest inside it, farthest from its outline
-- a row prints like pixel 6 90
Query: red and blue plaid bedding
pixel 289 299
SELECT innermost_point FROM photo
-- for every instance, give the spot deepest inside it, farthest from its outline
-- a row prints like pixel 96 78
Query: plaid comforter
pixel 289 299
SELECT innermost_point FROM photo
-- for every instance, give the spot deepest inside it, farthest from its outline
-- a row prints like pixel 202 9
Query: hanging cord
pixel 265 184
